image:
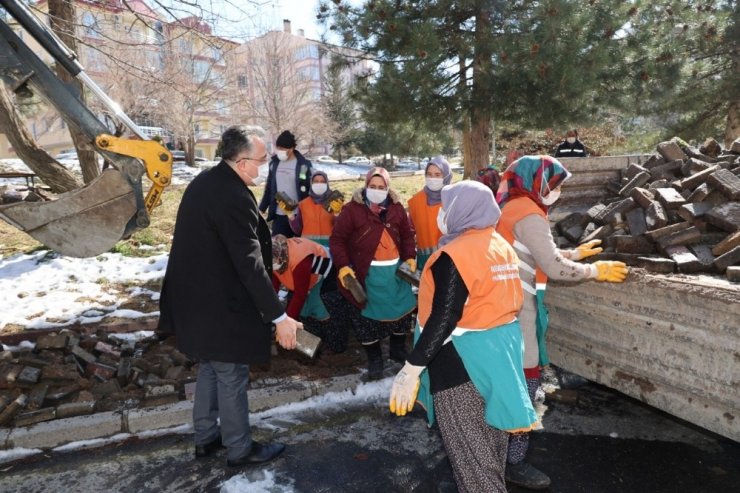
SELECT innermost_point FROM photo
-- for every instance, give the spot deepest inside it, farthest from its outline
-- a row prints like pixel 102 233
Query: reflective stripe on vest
pixel 298 250
pixel 514 211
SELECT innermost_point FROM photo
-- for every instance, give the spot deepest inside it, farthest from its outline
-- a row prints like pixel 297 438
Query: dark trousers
pixel 281 226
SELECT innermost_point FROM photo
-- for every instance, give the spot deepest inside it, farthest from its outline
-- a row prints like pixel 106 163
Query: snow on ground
pixel 45 290
pixel 241 484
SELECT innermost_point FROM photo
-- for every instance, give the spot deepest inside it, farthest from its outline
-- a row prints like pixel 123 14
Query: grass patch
pixel 163 219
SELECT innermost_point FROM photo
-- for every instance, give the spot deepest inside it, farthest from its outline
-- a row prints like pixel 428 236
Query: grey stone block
pixel 54 433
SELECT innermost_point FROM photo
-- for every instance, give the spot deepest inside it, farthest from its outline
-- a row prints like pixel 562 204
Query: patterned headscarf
pixel 319 199
pixel 490 177
pixel 467 205
pixel 280 252
pixel 433 196
pixel 533 177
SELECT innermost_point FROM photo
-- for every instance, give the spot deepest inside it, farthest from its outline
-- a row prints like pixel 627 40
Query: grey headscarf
pixel 433 197
pixel 468 205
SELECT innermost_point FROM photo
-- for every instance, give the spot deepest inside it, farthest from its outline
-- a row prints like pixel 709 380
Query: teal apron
pixel 388 296
pixel 494 360
pixel 314 307
pixel 422 255
pixel 321 240
pixel 541 324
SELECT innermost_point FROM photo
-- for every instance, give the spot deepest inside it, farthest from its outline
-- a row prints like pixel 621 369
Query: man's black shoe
pixel 260 453
pixel 208 448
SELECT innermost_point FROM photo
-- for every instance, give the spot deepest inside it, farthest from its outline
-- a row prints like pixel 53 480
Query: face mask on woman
pixel 376 196
pixel 282 155
pixel 319 188
pixel 552 197
pixel 434 184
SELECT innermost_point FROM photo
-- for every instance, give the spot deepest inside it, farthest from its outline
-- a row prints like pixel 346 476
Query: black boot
pixel 398 348
pixel 374 361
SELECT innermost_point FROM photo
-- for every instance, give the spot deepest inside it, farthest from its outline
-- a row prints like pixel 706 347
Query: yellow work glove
pixel 284 207
pixel 343 272
pixel 587 249
pixel 411 263
pixel 404 390
pixel 609 271
pixel 336 205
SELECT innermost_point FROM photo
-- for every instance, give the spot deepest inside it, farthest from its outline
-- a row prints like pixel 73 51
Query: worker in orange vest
pixel 424 206
pixel 301 265
pixel 467 359
pixel 529 186
pixel 314 217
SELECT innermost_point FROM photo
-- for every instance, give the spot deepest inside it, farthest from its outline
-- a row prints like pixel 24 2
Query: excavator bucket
pixel 80 223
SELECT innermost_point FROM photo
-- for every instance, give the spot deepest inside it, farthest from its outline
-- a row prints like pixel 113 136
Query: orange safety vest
pixel 514 211
pixel 424 218
pixel 298 250
pixel 491 276
pixel 317 222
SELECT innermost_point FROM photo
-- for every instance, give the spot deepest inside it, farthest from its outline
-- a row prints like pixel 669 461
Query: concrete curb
pixel 51 434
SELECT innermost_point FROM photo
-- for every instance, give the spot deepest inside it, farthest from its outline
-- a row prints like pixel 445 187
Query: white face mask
pixel 551 198
pixel 376 196
pixel 262 171
pixel 319 188
pixel 434 184
pixel 571 140
pixel 276 267
pixel 441 221
pixel 282 155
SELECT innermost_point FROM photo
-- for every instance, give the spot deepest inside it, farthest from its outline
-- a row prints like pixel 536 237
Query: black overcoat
pixel 217 296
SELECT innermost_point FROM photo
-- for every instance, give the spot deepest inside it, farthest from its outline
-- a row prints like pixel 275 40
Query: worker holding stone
pixel 529 186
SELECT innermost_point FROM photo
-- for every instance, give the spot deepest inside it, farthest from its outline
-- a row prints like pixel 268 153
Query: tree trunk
pixel 732 128
pixel 62 18
pixel 480 97
pixel 51 172
pixel 190 150
pixel 467 149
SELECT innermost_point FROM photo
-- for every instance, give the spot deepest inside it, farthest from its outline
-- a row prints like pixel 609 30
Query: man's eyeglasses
pixel 261 160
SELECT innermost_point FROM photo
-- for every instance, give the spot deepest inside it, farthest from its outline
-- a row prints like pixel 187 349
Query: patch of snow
pixel 265 484
pixel 17 453
pixel 132 336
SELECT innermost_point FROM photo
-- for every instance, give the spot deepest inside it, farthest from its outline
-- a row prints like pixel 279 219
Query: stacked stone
pixel 69 374
pixel 677 212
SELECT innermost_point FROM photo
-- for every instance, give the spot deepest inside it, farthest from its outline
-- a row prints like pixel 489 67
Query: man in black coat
pixel 217 296
pixel 571 146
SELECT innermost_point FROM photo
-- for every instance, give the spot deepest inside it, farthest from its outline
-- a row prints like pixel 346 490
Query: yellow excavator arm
pixel 88 221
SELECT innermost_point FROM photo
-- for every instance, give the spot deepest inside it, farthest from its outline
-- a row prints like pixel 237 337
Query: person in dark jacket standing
pixel 290 173
pixel 217 297
pixel 371 237
pixel 571 146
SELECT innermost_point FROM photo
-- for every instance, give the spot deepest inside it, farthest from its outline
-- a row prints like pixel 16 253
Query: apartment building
pixel 180 80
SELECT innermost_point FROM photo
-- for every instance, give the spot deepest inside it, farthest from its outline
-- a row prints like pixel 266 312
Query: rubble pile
pixel 677 212
pixel 70 374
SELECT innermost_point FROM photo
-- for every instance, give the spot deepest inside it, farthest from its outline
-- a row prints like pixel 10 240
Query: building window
pixel 243 82
pixel 90 25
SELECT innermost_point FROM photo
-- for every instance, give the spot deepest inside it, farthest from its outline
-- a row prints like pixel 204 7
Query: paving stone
pixel 657 264
pixel 727 244
pixel 655 216
pixel 667 171
pixel 704 254
pixel 653 161
pixel 726 260
pixel 569 221
pixel 82 354
pixel 37 395
pixel 670 151
pixel 13 408
pixel 683 237
pixel 29 375
pixel 632 244
pixel 642 197
pixel 689 212
pixel 700 193
pixel 75 409
pixel 735 147
pixel 100 370
pixel 725 216
pixel 32 417
pixel 669 198
pixel 636 221
pixel 685 260
pixel 659 184
pixel 733 273
pixel 52 341
pixel 726 182
pixel 692 166
pixel 60 393
pixel 54 433
pixel 697 179
pixel 637 181
pixel 107 349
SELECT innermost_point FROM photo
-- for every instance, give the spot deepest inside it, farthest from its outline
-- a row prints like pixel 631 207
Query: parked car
pixel 179 157
pixel 66 155
pixel 325 160
pixel 358 160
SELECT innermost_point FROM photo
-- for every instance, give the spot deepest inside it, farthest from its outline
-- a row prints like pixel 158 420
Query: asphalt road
pixel 594 440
